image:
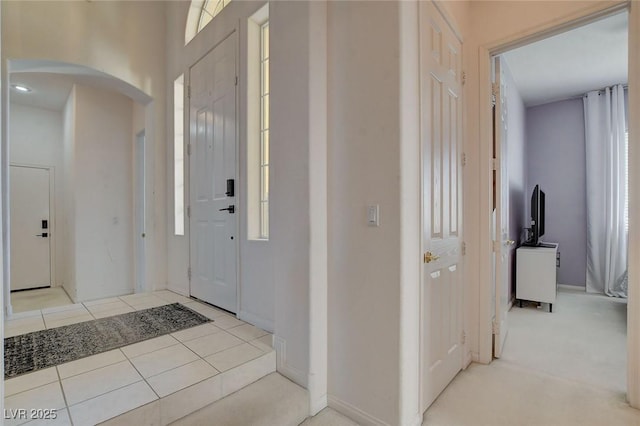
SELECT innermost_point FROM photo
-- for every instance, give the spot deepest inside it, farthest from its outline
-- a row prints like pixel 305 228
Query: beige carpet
pixel 32 300
pixel 504 394
pixel 562 368
pixel 584 339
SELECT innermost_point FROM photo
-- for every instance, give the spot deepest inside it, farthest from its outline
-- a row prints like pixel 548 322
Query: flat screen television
pixel 537 217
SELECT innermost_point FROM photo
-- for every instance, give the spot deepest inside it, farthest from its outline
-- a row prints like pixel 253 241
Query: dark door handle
pixel 43 235
pixel 230 209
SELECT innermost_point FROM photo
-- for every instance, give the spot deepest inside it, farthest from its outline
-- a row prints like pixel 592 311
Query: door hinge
pixel 189 91
pixel 464 159
pixel 464 248
pixel 494 164
pixel 496 246
pixel 189 272
pixel 464 78
pixel 463 338
pixel 188 149
pixel 236 80
pixel 188 211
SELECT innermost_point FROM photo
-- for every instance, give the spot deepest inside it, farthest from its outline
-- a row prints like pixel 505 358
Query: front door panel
pixel 213 161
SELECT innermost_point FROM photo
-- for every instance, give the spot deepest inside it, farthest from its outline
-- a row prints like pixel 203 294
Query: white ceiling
pixel 51 83
pixel 572 63
pixel 50 91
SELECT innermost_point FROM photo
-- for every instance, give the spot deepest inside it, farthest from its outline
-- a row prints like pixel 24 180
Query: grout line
pixel 155 350
pixel 108 392
pixel 64 395
pixel 194 338
pixel 96 368
pixel 143 378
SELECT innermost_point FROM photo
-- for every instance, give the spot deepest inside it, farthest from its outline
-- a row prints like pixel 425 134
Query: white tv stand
pixel 536 278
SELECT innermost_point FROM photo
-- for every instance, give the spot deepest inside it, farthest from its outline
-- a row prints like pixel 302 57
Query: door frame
pixel 486 52
pixel 239 186
pixel 140 212
pixel 52 221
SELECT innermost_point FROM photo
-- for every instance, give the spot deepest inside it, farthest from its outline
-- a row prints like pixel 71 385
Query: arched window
pixel 201 12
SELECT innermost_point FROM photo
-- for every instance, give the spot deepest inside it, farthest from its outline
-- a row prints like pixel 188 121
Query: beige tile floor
pixel 41 298
pixel 100 387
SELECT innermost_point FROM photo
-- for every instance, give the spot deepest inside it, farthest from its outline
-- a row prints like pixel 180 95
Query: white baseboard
pixel 180 290
pixel 572 287
pixel 264 324
pixel 318 405
pixel 295 375
pixel 417 421
pixel 354 413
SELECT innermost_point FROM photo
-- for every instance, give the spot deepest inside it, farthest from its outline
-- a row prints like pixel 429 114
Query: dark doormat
pixel 46 348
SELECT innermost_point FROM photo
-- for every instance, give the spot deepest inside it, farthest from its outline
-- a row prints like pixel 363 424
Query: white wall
pixel 364 169
pixel 36 139
pixel 68 212
pixel 103 193
pixel 125 40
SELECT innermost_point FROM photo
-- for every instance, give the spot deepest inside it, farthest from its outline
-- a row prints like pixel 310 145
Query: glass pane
pixel 264 180
pixel 265 40
pixel 264 149
pixel 265 78
pixel 264 220
pixel 265 112
pixel 205 18
pixel 178 154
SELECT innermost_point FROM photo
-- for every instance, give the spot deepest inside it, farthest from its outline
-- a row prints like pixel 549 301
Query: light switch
pixel 373 215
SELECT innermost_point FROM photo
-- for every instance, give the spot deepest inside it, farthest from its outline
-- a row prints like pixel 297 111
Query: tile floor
pixel 97 388
pixel 41 298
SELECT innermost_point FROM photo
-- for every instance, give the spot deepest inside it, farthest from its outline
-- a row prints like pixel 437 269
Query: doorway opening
pixel 72 156
pixel 550 195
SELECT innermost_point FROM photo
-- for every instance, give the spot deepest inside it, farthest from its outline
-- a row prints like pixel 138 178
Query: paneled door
pixel 441 141
pixel 501 243
pixel 30 227
pixel 213 223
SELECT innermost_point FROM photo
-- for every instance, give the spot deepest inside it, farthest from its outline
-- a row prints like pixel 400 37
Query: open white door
pixel 441 140
pixel 30 228
pixel 212 166
pixel 501 243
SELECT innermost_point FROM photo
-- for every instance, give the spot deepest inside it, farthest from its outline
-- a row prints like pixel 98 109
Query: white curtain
pixel 607 238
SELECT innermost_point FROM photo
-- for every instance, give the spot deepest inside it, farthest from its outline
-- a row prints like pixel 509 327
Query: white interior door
pixel 441 123
pixel 30 238
pixel 501 243
pixel 141 207
pixel 212 163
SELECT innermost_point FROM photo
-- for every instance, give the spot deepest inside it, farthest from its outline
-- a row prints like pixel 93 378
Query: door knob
pixel 509 242
pixel 430 257
pixel 43 235
pixel 230 209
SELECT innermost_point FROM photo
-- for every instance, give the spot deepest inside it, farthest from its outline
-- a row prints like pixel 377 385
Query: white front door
pixel 30 228
pixel 501 243
pixel 441 140
pixel 212 163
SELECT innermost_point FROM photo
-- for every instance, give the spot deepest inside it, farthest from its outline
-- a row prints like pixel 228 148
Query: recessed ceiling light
pixel 21 88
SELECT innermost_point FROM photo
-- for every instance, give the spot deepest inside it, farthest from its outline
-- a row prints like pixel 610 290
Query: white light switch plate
pixel 373 215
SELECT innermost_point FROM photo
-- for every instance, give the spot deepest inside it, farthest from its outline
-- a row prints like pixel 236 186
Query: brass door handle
pixel 509 242
pixel 430 257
